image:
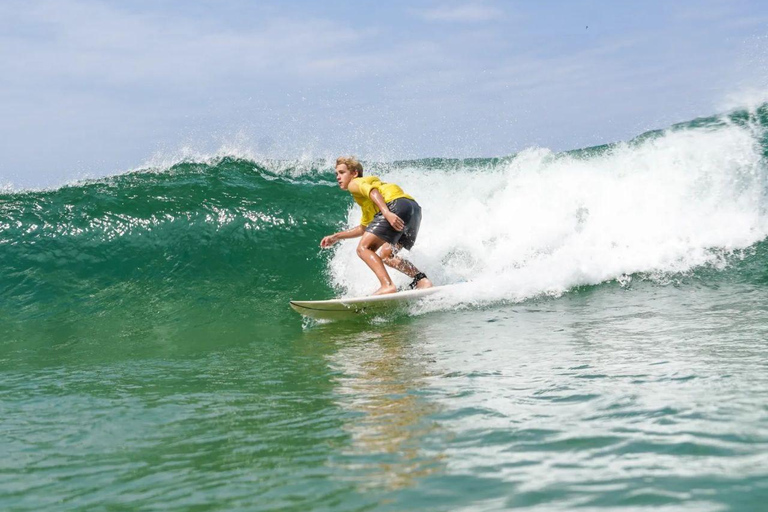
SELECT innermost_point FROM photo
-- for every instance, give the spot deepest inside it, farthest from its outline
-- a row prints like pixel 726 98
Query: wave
pixel 229 232
pixel 540 223
pixel 242 234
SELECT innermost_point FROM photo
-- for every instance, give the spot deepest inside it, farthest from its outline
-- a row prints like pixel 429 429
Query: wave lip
pixel 511 228
pixel 543 223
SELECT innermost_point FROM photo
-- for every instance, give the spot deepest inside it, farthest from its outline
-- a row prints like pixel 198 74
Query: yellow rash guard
pixel 389 191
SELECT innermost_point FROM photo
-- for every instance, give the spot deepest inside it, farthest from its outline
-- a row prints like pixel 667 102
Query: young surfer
pixel 390 222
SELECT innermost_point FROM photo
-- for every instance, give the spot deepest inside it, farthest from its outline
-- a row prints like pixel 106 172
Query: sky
pixel 96 87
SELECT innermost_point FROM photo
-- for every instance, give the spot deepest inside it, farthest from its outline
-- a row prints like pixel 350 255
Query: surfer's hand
pixel 328 241
pixel 395 221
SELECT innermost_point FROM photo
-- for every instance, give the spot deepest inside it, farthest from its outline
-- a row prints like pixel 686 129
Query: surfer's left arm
pixel 395 221
pixel 354 232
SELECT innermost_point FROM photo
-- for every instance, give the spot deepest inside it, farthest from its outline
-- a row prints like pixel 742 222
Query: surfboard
pixel 335 309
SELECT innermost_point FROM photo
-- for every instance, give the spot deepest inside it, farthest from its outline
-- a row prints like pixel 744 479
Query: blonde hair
pixel 352 164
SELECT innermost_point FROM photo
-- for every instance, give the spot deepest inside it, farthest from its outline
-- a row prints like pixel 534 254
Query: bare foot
pixel 423 283
pixel 386 289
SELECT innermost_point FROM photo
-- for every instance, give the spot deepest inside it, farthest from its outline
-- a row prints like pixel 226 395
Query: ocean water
pixel 605 346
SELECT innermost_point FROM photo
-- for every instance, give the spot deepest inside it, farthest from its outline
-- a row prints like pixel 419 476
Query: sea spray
pixel 241 236
pixel 543 223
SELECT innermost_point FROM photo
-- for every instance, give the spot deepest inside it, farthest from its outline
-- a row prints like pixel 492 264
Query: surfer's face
pixel 344 176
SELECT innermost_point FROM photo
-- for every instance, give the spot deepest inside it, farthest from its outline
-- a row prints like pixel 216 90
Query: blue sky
pixel 94 87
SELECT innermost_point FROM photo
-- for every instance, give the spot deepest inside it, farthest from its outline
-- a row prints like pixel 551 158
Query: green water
pixel 607 398
pixel 149 361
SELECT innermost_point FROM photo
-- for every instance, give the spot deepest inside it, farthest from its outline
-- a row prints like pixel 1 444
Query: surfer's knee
pixel 368 243
pixel 362 249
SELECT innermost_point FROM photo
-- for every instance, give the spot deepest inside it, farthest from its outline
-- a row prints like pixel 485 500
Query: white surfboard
pixel 335 309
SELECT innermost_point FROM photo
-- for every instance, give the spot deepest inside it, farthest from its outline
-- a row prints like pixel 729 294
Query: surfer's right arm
pixel 355 232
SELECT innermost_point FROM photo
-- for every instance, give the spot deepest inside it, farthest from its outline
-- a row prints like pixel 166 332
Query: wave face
pixel 218 240
pixel 235 238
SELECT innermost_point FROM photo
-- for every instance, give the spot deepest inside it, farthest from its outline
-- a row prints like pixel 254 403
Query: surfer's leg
pixel 401 264
pixel 366 249
pixel 410 212
pixel 388 256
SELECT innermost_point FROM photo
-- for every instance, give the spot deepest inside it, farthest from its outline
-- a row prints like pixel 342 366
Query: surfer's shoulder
pixel 365 179
pixel 354 186
pixel 362 185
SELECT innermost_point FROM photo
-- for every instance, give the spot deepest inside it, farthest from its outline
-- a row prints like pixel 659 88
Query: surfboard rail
pixel 332 309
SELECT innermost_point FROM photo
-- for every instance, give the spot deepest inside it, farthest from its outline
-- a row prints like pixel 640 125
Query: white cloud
pixel 472 12
pixel 93 44
pixel 104 81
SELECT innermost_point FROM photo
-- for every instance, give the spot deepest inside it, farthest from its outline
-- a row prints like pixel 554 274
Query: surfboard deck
pixel 335 309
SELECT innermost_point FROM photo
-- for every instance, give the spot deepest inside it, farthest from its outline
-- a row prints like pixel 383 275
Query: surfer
pixel 390 222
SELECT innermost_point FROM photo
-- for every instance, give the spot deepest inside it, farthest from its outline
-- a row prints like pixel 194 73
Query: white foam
pixel 544 223
pixel 240 146
pixel 749 98
pixel 293 167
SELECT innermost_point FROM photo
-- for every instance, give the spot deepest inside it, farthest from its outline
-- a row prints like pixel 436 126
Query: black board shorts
pixel 408 210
